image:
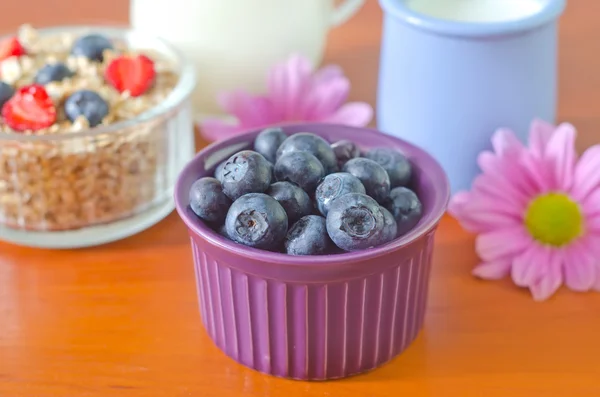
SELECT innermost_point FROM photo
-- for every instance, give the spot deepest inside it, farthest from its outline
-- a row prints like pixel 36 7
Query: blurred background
pixel 355 46
pixel 351 45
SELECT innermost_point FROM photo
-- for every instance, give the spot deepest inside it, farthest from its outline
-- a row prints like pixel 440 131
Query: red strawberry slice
pixel 131 73
pixel 30 109
pixel 11 48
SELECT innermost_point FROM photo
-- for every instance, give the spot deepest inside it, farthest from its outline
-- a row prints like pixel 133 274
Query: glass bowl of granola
pixel 95 125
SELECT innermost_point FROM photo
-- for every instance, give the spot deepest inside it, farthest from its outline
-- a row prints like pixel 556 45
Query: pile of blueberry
pixel 303 196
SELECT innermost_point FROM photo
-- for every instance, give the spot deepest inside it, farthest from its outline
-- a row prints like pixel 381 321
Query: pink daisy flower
pixel 536 210
pixel 295 92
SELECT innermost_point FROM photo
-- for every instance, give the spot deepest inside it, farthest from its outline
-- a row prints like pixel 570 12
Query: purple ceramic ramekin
pixel 314 317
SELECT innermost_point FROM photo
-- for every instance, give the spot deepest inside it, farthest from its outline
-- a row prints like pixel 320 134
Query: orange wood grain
pixel 122 319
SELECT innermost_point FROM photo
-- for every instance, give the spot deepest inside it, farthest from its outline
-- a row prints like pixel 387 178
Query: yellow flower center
pixel 554 219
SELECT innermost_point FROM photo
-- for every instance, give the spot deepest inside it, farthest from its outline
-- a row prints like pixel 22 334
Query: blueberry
pixel 273 179
pixel 372 175
pixel 246 172
pixel 268 141
pixel 88 104
pixel 301 168
pixel 257 220
pixel 355 222
pixel 336 185
pixel 53 72
pixel 6 92
pixel 92 47
pixel 345 150
pixel 406 207
pixel 208 201
pixel 390 227
pixel 219 171
pixel 292 198
pixel 222 230
pixel 308 236
pixel 313 144
pixel 395 163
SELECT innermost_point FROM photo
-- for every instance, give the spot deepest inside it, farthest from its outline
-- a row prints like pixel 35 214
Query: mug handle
pixel 345 11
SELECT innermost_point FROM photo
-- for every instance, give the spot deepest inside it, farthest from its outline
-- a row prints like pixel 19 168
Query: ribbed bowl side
pixel 314 331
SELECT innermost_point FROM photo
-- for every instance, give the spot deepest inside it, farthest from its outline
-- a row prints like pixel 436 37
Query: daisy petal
pixel 537 172
pixel 510 153
pixel 505 176
pixel 596 286
pixel 587 177
pixel 551 281
pixel 579 270
pixel 472 224
pixel 323 100
pixel 458 209
pixel 458 202
pixel 486 187
pixel 485 214
pixel 502 243
pixel 357 114
pixel 491 220
pixel 327 74
pixel 593 224
pixel 540 134
pixel 596 262
pixel 492 270
pixel 217 129
pixel 511 170
pixel 506 144
pixel 251 111
pixel 287 83
pixel 561 155
pixel 591 204
pixel 530 266
pixel 591 244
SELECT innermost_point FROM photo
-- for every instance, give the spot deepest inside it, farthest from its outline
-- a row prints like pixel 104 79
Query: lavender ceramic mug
pixel 453 71
pixel 314 317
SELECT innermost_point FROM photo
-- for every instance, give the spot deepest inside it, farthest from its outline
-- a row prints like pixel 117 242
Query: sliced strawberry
pixel 134 74
pixel 30 109
pixel 11 48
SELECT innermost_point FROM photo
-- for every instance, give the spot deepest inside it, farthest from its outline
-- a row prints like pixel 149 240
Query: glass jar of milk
pixel 233 43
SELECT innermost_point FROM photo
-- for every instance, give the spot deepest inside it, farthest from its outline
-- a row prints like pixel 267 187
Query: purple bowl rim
pixel 202 230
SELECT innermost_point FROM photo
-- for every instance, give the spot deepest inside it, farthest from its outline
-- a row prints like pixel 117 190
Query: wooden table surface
pixel 122 319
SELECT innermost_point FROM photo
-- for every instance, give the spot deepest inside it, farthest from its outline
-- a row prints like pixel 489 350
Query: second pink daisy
pixel 536 210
